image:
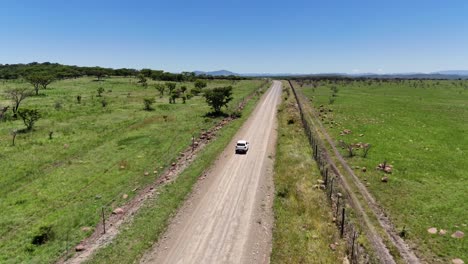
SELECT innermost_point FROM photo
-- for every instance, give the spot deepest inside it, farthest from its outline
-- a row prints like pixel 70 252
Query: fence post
pixel 66 246
pixel 342 222
pixel 352 247
pixel 337 204
pixel 193 143
pixel 331 188
pixel 326 176
pixel 103 221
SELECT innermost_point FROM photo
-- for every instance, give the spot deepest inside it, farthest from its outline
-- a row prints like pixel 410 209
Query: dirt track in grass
pixel 228 217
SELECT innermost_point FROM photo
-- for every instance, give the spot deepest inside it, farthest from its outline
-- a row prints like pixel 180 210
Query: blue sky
pixel 241 36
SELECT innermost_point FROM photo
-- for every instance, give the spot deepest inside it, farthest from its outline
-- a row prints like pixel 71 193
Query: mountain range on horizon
pixel 450 74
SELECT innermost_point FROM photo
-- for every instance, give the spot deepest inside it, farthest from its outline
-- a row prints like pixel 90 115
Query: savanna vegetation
pixel 151 220
pixel 42 74
pixel 406 140
pixel 81 145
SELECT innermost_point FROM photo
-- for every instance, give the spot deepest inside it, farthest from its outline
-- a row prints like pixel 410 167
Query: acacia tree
pixel 98 72
pixel 170 86
pixel 183 89
pixel 29 116
pixel 46 79
pixel 17 95
pixel 37 79
pixel 218 97
pixel 142 80
pixel 161 88
pixel 146 72
pixel 199 84
pixel 148 102
pixel 100 90
pixel 173 95
pixel 3 111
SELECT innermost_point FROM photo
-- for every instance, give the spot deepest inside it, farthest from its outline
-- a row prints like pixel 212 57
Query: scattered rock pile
pixel 345 132
pixel 387 168
pixel 457 235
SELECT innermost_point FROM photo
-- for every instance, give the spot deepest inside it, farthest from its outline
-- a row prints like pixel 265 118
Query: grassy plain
pixel 96 155
pixel 419 127
pixel 303 230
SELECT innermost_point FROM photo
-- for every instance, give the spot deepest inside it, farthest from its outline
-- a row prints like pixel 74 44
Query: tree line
pixel 60 71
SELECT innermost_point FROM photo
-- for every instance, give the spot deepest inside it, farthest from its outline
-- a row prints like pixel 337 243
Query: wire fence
pixel 338 198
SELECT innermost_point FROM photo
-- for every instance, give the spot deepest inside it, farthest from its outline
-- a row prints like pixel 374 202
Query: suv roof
pixel 241 141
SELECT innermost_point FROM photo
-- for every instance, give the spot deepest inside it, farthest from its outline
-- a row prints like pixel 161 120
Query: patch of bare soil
pixel 228 216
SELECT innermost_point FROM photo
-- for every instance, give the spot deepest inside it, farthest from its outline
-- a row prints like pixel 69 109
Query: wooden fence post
pixel 342 222
pixel 337 205
pixel 103 221
pixel 352 247
pixel 326 177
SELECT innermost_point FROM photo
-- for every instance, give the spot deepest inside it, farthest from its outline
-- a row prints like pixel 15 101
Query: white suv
pixel 242 146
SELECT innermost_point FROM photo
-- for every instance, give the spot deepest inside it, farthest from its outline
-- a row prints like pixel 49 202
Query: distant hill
pixel 217 73
pixel 454 72
pixel 451 74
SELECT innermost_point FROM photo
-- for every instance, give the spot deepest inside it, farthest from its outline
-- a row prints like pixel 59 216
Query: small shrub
pixel 43 236
pixel 331 100
pixel 164 107
pixel 200 84
pixel 334 89
pixel 58 105
pixel 148 102
pixel 104 102
pixel 6 116
pixel 100 90
pixel 348 147
pixel 78 99
pixel 282 192
pixel 366 148
pixel 403 233
pixel 195 91
pixel 236 114
pixel 29 116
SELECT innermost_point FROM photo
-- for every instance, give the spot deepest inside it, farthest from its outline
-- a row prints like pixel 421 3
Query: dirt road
pixel 228 217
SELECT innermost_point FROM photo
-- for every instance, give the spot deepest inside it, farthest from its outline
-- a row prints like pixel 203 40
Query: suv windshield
pixel 240 144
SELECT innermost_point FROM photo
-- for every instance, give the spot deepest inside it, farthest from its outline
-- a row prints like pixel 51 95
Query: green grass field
pixel 97 154
pixel 421 128
pixel 150 222
pixel 303 230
